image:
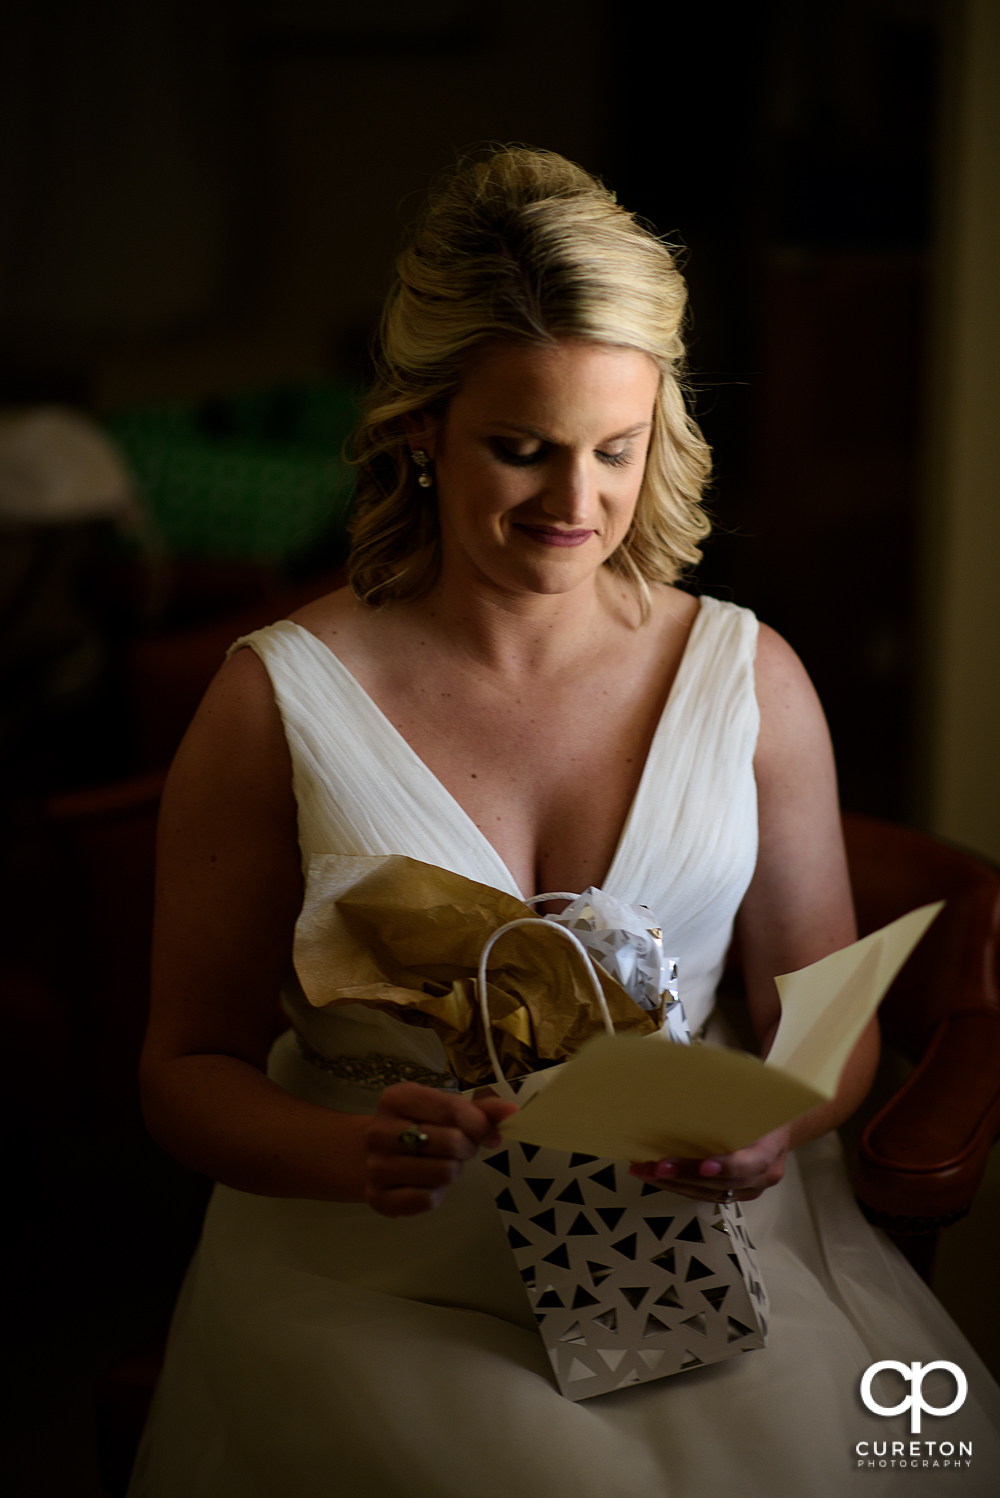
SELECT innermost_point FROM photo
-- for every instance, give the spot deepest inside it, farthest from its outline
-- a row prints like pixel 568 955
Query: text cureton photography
pixel 914 1454
pixel 953 1453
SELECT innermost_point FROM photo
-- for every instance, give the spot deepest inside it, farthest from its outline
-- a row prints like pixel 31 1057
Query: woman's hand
pixel 746 1174
pixel 400 1182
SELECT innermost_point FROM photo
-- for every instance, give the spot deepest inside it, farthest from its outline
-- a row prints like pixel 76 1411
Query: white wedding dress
pixel 322 1351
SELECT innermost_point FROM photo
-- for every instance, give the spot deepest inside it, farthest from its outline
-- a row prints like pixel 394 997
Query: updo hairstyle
pixel 521 244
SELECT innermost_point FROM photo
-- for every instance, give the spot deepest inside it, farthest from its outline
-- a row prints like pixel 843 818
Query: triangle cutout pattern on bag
pixel 623 1281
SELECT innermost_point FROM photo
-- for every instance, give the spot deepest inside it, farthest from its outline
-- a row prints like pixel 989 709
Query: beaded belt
pixel 376 1070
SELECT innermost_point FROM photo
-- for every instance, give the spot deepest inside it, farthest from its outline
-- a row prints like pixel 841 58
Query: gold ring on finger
pixel 413 1139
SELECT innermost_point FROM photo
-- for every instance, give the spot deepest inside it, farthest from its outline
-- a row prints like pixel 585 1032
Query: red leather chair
pixel 924 1153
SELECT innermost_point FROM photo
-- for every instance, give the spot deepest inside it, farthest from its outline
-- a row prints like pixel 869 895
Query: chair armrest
pixel 922 1157
pixel 954 969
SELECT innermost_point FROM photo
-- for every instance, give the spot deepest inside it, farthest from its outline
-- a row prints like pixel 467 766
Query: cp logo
pixel 915 1373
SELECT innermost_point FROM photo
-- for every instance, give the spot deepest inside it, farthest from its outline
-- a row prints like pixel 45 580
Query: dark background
pixel 202 199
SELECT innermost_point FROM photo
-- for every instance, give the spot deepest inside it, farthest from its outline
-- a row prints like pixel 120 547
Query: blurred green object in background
pixel 258 476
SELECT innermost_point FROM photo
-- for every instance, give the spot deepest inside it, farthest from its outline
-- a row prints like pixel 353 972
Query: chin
pixel 546 580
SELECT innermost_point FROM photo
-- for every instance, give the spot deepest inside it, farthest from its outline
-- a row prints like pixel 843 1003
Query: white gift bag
pixel 628 1282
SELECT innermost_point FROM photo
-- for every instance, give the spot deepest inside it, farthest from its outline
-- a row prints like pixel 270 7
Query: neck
pixel 512 633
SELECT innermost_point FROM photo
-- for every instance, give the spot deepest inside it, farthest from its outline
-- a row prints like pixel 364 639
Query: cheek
pixel 477 495
pixel 624 497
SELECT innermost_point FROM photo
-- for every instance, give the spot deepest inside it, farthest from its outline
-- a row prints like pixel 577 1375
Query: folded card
pixel 644 1098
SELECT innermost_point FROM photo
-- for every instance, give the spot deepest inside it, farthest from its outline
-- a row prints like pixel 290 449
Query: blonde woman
pixel 512 688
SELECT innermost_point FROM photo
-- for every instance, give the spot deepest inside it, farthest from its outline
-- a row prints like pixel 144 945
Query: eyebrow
pixel 522 431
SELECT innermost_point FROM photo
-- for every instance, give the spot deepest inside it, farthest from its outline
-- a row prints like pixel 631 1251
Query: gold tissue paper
pixel 405 937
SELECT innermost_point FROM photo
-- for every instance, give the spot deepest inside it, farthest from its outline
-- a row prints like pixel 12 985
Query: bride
pixel 513 689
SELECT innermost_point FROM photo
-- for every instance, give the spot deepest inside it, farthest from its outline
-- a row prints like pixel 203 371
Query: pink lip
pixel 549 535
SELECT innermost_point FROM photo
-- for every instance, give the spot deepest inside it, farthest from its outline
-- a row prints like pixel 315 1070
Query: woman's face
pixel 539 460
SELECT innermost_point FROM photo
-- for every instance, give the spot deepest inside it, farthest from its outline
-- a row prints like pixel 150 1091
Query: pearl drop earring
pixel 423 463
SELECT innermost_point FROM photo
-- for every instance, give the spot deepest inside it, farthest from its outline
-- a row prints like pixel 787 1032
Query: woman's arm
pixel 797 909
pixel 229 890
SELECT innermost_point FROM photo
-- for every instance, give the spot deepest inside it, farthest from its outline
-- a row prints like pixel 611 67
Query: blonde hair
pixel 521 244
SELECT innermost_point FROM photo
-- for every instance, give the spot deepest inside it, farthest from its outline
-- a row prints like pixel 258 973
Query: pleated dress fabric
pixel 319 1350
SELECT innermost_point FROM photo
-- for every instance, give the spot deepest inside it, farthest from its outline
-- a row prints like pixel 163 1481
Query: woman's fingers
pixel 756 1158
pixel 403 1185
pixel 496 1111
pixel 755 1168
pixel 746 1173
pixel 403 1181
pixel 411 1103
pixel 385 1131
pixel 404 1201
pixel 385 1172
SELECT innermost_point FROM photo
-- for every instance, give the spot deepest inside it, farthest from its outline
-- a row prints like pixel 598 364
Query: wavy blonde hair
pixel 521 244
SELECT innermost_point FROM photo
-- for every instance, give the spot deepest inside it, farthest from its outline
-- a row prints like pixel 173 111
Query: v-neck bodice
pixel 689 843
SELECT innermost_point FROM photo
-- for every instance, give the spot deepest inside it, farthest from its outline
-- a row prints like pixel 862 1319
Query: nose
pixel 570 490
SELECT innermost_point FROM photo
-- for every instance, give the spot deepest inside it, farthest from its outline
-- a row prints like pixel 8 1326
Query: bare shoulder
pixel 792 723
pixel 779 672
pixel 235 749
pixel 239 702
pixel 241 685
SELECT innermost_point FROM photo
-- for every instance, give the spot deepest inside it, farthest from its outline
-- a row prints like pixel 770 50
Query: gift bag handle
pixel 484 1002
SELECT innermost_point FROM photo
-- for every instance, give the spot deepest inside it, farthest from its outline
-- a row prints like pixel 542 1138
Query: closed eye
pixel 539 454
pixel 518 460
